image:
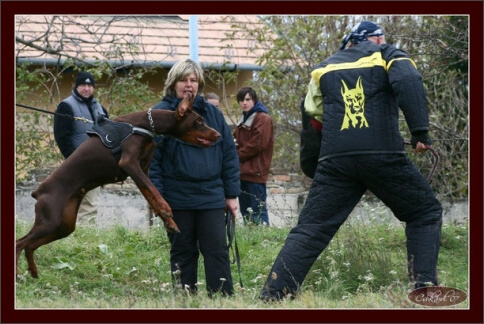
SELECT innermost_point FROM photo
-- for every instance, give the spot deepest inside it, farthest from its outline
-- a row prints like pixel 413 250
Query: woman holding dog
pixel 199 184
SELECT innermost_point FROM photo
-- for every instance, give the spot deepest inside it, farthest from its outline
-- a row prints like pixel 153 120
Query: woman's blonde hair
pixel 179 71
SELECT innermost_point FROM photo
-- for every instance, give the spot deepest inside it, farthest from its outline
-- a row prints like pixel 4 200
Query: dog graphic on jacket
pixel 354 100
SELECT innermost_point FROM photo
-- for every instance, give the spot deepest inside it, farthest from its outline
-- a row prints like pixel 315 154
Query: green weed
pixel 364 266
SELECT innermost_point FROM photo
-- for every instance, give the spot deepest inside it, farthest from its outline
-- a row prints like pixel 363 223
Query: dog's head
pixel 191 127
pixel 354 99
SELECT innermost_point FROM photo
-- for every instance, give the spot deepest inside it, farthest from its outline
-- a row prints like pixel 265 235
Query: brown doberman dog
pixel 93 164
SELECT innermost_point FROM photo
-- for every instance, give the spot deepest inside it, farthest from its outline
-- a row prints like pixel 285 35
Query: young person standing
pixel 254 136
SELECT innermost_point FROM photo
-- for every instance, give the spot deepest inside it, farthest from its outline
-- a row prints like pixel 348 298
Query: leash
pixel 230 220
pixel 436 160
pixel 84 120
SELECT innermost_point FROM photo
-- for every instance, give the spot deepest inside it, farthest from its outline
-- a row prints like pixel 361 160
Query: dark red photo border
pixel 11 8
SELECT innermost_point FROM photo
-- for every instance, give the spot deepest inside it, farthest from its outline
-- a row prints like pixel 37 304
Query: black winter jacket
pixel 191 177
pixel 362 89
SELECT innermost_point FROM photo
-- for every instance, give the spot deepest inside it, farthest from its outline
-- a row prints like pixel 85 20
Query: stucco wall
pixel 123 203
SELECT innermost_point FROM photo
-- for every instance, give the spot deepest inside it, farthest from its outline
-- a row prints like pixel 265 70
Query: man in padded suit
pixel 356 95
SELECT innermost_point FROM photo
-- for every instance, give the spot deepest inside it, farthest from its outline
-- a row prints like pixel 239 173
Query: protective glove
pixel 422 137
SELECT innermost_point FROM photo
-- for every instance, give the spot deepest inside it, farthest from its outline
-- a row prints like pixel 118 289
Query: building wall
pixel 64 86
pixel 122 203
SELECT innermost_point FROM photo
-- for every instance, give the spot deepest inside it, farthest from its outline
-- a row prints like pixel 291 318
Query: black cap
pixel 85 78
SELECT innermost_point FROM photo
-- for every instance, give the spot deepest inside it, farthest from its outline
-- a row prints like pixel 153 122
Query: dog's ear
pixel 186 104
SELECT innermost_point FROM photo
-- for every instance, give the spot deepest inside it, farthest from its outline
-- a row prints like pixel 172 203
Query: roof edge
pixel 123 64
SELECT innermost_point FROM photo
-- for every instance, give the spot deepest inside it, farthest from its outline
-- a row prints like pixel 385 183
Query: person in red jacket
pixel 357 94
pixel 254 136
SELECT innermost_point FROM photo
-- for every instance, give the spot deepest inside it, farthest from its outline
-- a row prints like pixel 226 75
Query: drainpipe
pixel 193 37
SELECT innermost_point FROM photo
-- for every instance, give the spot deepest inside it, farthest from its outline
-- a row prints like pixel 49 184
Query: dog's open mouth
pixel 203 142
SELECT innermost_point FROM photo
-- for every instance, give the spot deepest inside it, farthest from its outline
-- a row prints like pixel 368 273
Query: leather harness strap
pixel 230 220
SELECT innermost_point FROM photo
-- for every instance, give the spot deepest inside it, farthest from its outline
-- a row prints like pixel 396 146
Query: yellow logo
pixel 354 100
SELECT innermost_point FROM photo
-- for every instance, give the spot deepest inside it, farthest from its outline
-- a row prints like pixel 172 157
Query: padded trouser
pixel 338 186
pixel 201 231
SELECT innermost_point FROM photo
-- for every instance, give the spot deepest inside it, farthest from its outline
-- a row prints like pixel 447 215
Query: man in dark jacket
pixel 70 133
pixel 199 184
pixel 254 137
pixel 356 94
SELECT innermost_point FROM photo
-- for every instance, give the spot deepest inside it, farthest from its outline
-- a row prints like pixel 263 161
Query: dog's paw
pixel 168 222
pixel 165 215
pixel 172 229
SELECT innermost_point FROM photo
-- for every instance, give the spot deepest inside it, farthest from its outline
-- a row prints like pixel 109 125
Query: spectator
pixel 213 98
pixel 254 137
pixel 199 184
pixel 70 133
pixel 362 88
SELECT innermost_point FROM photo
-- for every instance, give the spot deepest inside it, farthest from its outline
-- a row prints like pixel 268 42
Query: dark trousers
pixel 338 186
pixel 201 231
pixel 253 195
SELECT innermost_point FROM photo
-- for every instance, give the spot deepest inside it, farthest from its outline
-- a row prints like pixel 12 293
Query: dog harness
pixel 113 134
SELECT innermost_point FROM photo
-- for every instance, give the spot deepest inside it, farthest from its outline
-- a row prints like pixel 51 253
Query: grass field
pixel 119 268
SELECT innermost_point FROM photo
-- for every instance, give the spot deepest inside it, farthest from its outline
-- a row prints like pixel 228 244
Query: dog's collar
pixel 152 124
